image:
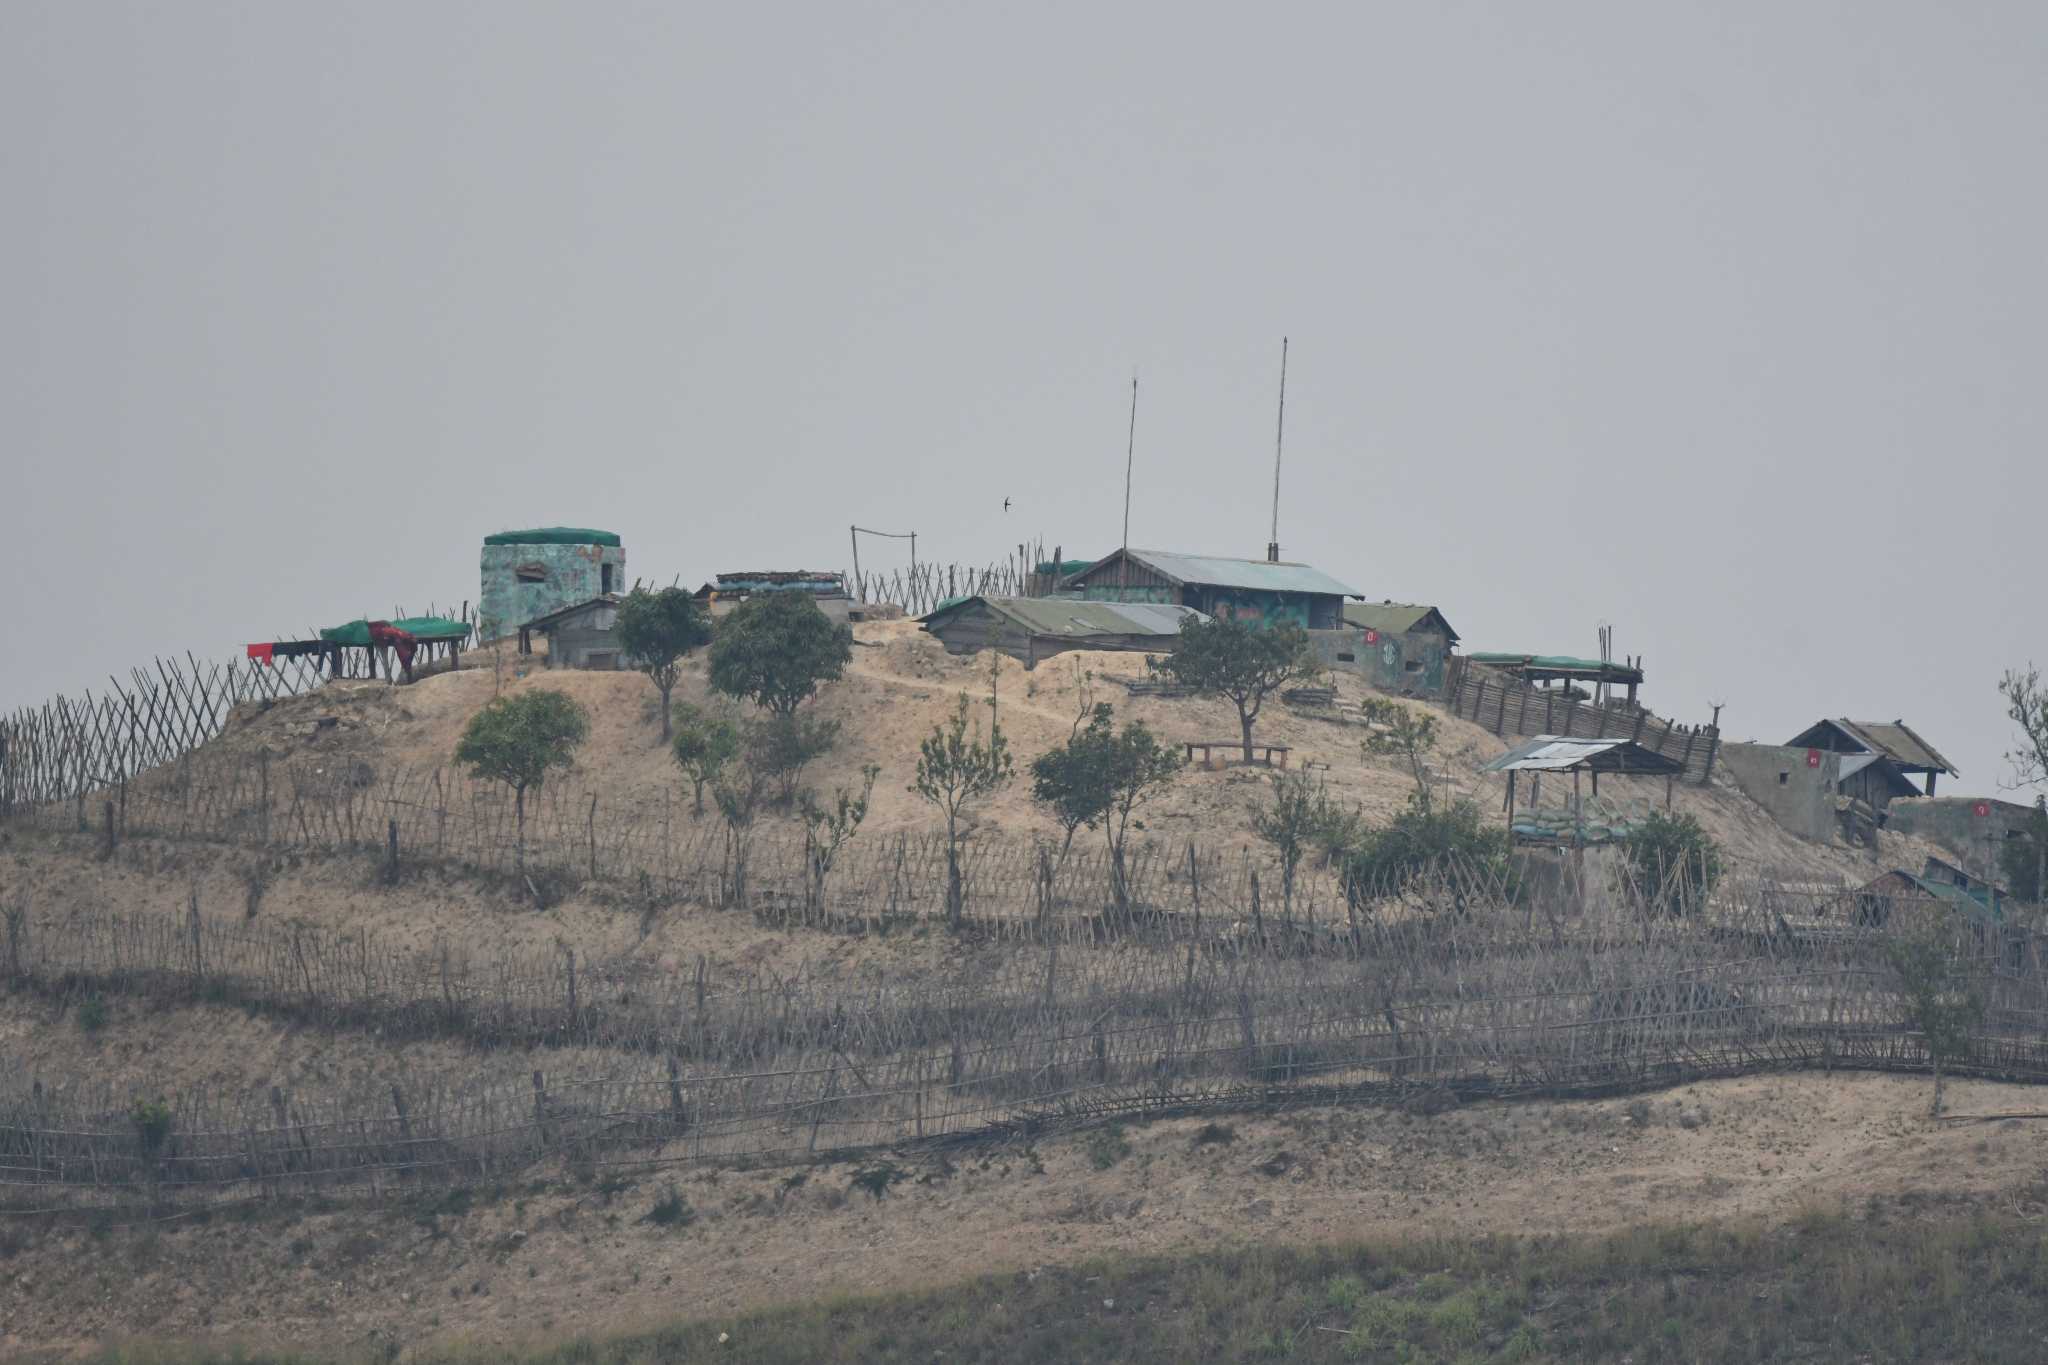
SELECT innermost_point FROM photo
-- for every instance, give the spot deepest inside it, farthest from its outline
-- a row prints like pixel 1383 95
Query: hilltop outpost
pixel 530 574
pixel 932 892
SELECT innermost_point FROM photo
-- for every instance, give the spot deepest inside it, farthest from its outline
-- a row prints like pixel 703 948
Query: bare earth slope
pixel 577 1255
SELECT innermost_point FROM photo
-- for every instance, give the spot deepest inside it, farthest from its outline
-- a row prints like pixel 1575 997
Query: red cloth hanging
pixel 404 641
pixel 261 653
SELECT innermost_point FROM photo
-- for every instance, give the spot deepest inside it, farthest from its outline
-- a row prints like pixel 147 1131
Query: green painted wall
pixel 568 574
pixel 1243 604
pixel 1109 592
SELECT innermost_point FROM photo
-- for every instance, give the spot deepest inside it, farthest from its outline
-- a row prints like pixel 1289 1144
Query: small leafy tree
pixel 1671 862
pixel 1236 659
pixel 1401 732
pixel 1941 997
pixel 1073 782
pixel 1425 839
pixel 1100 777
pixel 777 649
pixel 739 791
pixel 1289 823
pixel 657 631
pixel 956 769
pixel 827 831
pixel 1137 770
pixel 519 740
pixel 705 741
pixel 782 746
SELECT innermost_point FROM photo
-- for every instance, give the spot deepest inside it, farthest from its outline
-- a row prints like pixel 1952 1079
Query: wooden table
pixel 1263 753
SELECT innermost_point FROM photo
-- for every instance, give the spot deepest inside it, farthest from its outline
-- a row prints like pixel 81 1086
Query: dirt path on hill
pixel 532 1263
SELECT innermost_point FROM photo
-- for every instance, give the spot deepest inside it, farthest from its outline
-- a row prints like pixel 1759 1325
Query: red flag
pixel 261 653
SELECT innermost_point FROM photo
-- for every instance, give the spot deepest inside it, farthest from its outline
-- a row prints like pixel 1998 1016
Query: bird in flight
pixel 1006 504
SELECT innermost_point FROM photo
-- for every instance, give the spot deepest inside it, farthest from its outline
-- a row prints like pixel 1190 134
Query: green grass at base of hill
pixel 1891 1285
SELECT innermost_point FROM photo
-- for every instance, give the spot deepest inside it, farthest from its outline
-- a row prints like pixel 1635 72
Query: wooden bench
pixel 1310 696
pixel 1262 753
pixel 1145 687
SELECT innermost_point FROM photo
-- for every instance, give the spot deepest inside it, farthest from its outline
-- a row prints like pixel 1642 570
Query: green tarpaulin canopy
pixel 421 627
pixel 553 535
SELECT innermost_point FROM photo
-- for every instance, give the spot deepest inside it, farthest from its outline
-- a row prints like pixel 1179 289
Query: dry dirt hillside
pixel 564 1253
pixel 902 683
pixel 562 1250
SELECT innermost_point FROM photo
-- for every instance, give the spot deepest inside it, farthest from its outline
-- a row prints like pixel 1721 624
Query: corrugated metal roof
pixel 1394 618
pixel 1073 617
pixel 1548 753
pixel 1257 574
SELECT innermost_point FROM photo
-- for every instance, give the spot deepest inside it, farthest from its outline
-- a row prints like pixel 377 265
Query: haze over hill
pixel 1720 328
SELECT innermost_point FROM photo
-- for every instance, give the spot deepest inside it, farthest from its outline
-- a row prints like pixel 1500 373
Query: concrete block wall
pixel 568 574
pixel 1798 796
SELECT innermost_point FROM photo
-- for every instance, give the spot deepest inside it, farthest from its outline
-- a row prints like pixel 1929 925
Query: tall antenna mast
pixel 1130 453
pixel 1279 436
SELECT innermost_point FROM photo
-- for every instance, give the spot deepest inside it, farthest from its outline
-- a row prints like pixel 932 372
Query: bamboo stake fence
pixel 1471 1005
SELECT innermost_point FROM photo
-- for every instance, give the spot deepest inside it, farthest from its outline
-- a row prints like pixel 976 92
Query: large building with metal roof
pixel 1035 628
pixel 1259 590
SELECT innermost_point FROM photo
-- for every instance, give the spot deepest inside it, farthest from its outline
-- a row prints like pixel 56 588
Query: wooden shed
pixel 1891 748
pixel 1034 628
pixel 580 636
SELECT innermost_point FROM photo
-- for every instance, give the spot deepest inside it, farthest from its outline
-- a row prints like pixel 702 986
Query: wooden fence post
pixel 675 1095
pixel 391 854
pixel 1713 745
pixel 198 960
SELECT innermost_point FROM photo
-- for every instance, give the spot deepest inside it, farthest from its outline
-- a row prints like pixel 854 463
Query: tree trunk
pixel 668 732
pixel 698 812
pixel 1935 1111
pixel 954 898
pixel 1119 889
pixel 519 840
pixel 1244 719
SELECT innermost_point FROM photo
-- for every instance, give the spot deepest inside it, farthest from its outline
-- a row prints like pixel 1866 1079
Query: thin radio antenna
pixel 1130 455
pixel 1279 438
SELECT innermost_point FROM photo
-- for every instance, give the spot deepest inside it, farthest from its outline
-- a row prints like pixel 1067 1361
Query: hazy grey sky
pixel 1723 323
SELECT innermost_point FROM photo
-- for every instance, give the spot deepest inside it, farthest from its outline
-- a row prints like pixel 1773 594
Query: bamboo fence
pixel 711 1068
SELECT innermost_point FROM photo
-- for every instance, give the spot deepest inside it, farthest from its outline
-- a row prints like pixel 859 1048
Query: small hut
pixel 826 587
pixel 1034 628
pixel 581 636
